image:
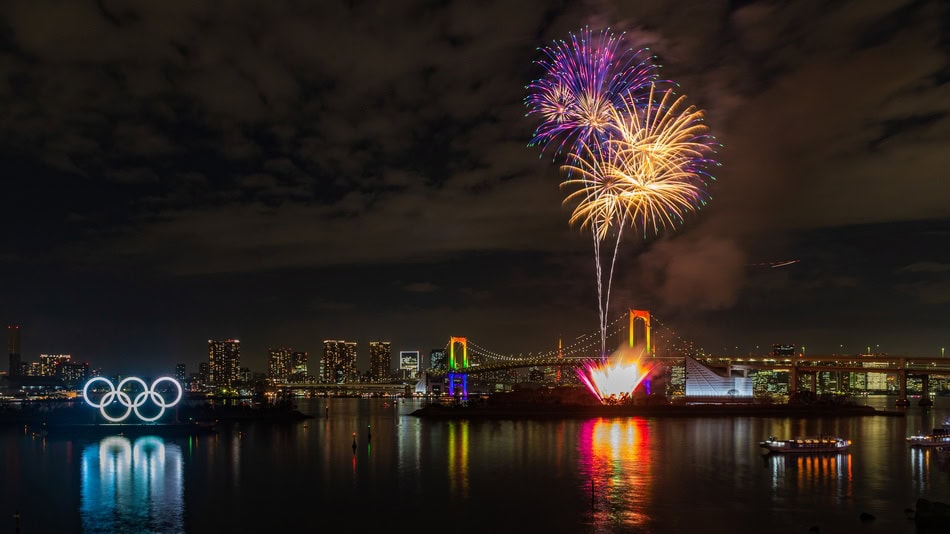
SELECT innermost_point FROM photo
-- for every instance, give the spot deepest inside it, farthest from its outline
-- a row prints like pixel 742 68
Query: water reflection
pixel 458 458
pixel 815 474
pixel 615 457
pixel 132 486
pixel 925 462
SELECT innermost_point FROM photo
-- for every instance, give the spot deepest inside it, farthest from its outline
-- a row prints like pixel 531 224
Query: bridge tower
pixel 458 364
pixel 645 316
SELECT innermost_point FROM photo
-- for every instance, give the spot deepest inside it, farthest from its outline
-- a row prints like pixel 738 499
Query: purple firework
pixel 585 79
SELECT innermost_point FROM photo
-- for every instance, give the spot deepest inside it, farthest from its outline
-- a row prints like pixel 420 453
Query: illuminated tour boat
pixel 938 437
pixel 806 444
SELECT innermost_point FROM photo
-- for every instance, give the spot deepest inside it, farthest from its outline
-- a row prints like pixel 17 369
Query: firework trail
pixel 650 172
pixel 584 80
pixel 774 264
pixel 635 154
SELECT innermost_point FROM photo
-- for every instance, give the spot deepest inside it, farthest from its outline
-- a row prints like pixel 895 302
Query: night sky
pixel 289 172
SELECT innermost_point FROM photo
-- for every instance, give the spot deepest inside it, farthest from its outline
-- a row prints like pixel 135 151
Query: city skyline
pixel 365 362
pixel 285 174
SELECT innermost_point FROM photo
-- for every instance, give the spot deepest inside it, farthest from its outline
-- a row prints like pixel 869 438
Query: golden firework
pixel 650 171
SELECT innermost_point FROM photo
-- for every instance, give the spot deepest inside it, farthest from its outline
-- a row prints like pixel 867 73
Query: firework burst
pixel 635 154
pixel 613 380
pixel 584 79
pixel 650 172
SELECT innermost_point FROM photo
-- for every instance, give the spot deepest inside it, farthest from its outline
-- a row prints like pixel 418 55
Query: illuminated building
pixel 535 374
pixel 702 381
pixel 279 365
pixel 409 363
pixel 380 361
pixel 204 373
pixel 49 362
pixel 13 333
pixel 339 361
pixel 678 380
pixel 31 369
pixel 224 362
pixel 876 381
pixel 299 369
pixel 437 359
pixel 180 373
pixel 72 374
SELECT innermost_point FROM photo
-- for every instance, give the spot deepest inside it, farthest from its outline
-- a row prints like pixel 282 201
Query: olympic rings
pixel 115 393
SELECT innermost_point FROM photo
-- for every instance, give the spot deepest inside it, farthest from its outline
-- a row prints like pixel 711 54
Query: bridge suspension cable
pixel 676 343
pixel 588 345
pixel 584 346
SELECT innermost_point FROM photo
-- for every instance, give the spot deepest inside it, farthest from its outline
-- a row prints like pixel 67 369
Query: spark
pixel 615 379
pixel 634 153
pixel 651 173
pixel 584 79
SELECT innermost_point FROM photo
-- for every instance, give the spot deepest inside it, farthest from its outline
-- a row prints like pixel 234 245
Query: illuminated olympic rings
pixel 131 405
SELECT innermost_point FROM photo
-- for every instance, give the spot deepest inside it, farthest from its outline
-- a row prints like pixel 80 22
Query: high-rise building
pixel 380 361
pixel 73 374
pixel 224 362
pixel 13 334
pixel 31 369
pixel 437 359
pixel 49 362
pixel 279 364
pixel 409 363
pixel 299 371
pixel 180 373
pixel 339 361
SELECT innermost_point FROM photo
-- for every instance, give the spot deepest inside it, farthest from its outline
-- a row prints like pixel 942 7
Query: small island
pixel 573 402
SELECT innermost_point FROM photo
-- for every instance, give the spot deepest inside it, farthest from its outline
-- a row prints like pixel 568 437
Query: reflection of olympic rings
pixel 115 393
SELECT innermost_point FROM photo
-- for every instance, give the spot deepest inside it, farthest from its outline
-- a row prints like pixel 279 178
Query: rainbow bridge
pixel 465 358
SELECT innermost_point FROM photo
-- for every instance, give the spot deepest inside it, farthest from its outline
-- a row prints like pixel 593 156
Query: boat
pixel 938 437
pixel 810 444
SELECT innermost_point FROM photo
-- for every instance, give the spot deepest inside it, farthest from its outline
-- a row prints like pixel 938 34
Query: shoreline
pixel 664 410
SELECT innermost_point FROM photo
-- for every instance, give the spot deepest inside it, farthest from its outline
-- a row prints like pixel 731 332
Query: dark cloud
pixel 271 150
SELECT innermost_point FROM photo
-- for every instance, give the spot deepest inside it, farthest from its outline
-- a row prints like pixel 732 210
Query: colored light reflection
pixel 458 385
pixel 615 458
pixel 929 467
pixel 614 380
pixel 132 483
pixel 458 458
pixel 812 473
